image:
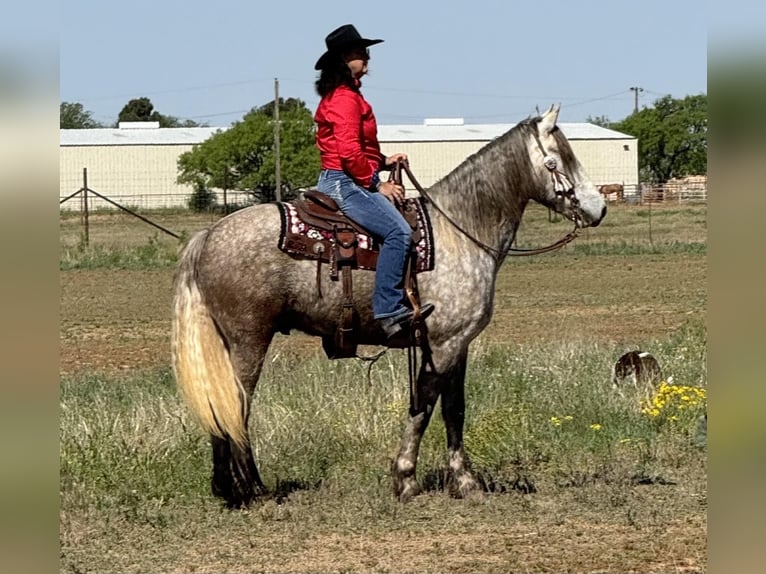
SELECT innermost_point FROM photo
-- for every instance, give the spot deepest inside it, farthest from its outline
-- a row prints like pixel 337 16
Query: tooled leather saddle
pixel 313 227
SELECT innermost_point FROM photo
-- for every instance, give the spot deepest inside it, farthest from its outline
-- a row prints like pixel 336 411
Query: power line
pixel 170 91
pixel 498 96
pixel 571 104
pixel 579 100
pixel 597 99
pixel 217 114
pixel 408 116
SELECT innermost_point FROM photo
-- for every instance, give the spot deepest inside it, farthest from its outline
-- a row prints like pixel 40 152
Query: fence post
pixel 225 189
pixel 86 222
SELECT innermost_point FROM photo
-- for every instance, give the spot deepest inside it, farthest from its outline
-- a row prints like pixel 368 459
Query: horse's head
pixel 566 188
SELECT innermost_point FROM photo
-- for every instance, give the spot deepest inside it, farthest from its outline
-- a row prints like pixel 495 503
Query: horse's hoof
pixel 241 500
pixel 464 487
pixel 474 495
pixel 409 492
pixel 406 488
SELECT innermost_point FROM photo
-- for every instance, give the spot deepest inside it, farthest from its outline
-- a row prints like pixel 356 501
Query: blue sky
pixel 487 61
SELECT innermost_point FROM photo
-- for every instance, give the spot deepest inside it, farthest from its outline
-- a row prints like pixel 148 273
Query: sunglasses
pixel 359 53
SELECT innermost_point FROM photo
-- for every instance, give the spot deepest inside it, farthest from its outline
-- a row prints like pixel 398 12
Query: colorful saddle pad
pixel 297 237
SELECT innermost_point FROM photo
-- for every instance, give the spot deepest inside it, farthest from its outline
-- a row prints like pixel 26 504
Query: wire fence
pixel 95 229
pixel 225 201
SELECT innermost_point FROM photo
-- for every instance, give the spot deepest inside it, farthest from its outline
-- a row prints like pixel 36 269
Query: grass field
pixel 580 477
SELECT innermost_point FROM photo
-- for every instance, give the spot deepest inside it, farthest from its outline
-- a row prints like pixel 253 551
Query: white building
pixel 439 145
pixel 136 164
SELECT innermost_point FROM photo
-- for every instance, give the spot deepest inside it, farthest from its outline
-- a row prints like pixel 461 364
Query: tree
pixel 142 110
pixel 672 137
pixel 73 116
pixel 174 122
pixel 602 121
pixel 138 110
pixel 242 157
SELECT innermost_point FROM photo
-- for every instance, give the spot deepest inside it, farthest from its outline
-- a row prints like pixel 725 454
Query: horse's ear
pixel 548 121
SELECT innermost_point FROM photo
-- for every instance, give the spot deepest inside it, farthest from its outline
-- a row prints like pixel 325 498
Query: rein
pixel 562 186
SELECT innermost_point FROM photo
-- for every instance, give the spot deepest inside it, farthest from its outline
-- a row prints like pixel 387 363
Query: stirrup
pixel 392 326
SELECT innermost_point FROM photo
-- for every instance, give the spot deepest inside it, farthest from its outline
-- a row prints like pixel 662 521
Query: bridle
pixel 562 186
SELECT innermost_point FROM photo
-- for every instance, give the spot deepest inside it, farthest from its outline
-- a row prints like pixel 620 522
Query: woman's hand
pixel 394 193
pixel 393 159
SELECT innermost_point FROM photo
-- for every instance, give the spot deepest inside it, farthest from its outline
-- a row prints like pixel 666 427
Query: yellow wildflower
pixel 670 399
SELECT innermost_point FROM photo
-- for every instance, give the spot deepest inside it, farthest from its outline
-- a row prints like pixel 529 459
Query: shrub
pixel 203 199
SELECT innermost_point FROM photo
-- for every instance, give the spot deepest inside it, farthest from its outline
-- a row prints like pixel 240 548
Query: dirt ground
pixel 433 534
pixel 118 320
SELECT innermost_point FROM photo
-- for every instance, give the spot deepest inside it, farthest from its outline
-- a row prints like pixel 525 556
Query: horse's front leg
pixel 428 386
pixel 461 479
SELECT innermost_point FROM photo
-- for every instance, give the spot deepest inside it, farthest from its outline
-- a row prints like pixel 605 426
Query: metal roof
pixel 485 132
pixel 386 133
pixel 135 136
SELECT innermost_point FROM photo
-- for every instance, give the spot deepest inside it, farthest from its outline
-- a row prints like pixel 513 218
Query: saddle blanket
pixel 293 225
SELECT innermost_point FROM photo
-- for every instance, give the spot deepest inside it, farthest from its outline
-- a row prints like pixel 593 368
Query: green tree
pixel 174 122
pixel 73 116
pixel 672 137
pixel 142 110
pixel 138 110
pixel 602 121
pixel 242 157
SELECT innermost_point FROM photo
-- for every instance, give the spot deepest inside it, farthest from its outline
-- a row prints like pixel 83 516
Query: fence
pixel 227 200
pixel 674 192
pixel 87 196
pixel 222 201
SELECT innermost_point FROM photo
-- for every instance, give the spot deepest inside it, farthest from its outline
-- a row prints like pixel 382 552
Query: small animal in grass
pixel 636 367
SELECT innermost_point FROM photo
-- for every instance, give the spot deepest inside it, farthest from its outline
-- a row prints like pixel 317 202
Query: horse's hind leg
pixel 235 473
pixel 235 476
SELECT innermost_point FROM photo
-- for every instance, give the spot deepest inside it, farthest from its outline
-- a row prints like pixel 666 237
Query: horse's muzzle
pixel 600 219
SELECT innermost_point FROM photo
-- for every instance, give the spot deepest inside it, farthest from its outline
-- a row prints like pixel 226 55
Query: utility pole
pixel 636 89
pixel 277 167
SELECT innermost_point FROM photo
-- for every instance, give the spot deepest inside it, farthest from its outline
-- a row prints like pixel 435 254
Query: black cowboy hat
pixel 340 38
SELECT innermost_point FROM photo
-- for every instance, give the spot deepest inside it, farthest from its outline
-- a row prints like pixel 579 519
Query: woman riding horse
pixel 347 138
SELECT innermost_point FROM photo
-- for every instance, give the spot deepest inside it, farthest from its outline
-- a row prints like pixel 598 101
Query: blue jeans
pixel 376 214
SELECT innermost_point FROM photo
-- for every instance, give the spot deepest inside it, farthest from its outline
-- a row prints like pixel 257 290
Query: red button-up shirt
pixel 347 135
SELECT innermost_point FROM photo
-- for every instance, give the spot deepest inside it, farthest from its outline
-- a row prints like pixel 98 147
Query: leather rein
pixel 562 187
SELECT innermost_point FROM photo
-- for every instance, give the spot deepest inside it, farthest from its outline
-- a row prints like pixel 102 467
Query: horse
pixel 610 188
pixel 234 290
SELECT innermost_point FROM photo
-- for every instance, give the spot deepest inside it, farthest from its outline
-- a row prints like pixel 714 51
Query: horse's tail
pixel 201 364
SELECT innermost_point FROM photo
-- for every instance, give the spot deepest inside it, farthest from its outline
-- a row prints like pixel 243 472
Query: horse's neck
pixel 484 197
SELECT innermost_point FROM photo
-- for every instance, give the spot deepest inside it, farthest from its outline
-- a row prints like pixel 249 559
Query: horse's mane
pixel 508 153
pixel 500 177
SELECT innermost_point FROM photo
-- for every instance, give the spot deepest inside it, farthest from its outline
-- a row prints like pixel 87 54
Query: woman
pixel 347 138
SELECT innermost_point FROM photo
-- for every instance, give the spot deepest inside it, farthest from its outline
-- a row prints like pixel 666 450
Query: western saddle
pixel 338 245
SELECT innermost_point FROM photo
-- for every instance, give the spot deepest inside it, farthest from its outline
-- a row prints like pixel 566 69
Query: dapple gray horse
pixel 235 289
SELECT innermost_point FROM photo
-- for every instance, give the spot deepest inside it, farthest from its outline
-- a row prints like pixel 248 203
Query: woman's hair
pixel 335 73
